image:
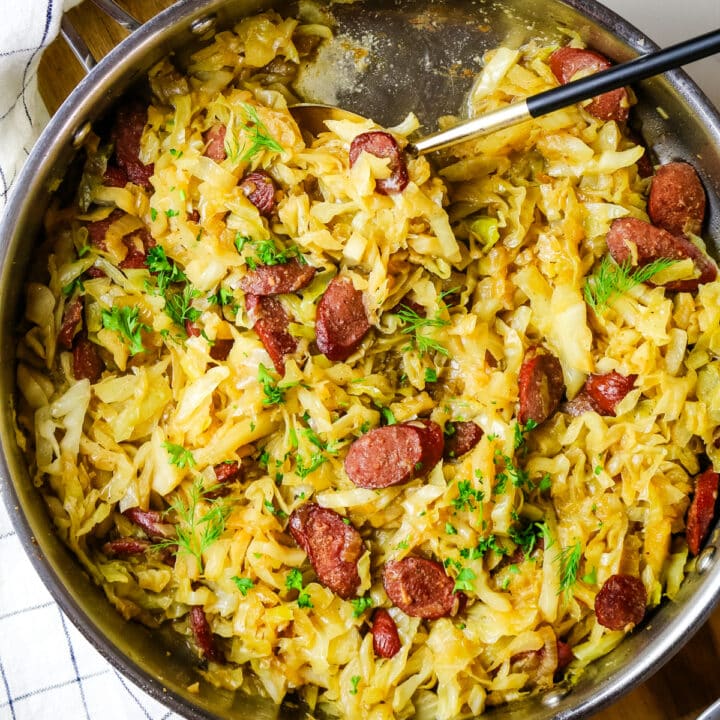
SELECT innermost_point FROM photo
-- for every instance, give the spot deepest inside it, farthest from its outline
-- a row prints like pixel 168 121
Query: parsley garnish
pixel 313 463
pixel 527 537
pixel 521 432
pixel 273 510
pixel 388 416
pixel 273 389
pixel 591 577
pixel 414 323
pixel 569 559
pixel 125 322
pixel 467 496
pixel 360 605
pixel 266 253
pixel 243 584
pixel 431 375
pixel 166 270
pixel 178 306
pixel 464 580
pixel 222 297
pixel 611 279
pixel 294 581
pixel 486 544
pixel 179 456
pixel 355 679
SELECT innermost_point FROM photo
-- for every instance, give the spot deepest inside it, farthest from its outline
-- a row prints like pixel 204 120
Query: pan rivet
pixel 705 559
pixel 202 25
pixel 553 698
pixel 80 134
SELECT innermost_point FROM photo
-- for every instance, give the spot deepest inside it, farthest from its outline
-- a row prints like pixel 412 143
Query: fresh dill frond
pixel 415 324
pixel 611 280
pixel 258 135
pixel 569 559
pixel 178 306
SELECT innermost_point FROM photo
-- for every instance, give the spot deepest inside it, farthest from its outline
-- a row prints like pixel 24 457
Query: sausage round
pixel 382 145
pixel 72 318
pixel 215 142
pixel 87 363
pixel 466 436
pixel 203 635
pixel 676 202
pixel 287 277
pixel 259 189
pixel 606 391
pixel 341 322
pixel 137 244
pixel 386 641
pixel 620 604
pixel 271 324
pixel 653 243
pixel 394 454
pixel 540 387
pixel 332 546
pixel 220 349
pixel 702 509
pixel 566 62
pixel 151 522
pixel 126 134
pixel 420 587
pixel 126 547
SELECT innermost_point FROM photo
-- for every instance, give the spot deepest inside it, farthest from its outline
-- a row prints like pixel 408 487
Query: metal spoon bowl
pixel 312 117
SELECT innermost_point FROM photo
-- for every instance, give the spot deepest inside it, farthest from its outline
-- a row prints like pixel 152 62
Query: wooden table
pixel 691 680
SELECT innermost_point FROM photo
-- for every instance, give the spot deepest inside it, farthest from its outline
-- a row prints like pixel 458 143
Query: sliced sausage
pixel 333 547
pixel 394 454
pixel 565 655
pixel 288 277
pixel 226 473
pixel 652 243
pixel 192 329
pixel 567 62
pixel 87 363
pixel 606 391
pixel 420 587
pixel 215 142
pixel 579 405
pixel 259 189
pixel 126 133
pixel 466 436
pixel 98 230
pixel 202 634
pixel 271 324
pixel 540 387
pixel 115 176
pixel 125 547
pixel 386 641
pixel 341 322
pixel 137 243
pixel 677 199
pixel 382 145
pixel 620 604
pixel 220 349
pixel 72 318
pixel 151 522
pixel 702 510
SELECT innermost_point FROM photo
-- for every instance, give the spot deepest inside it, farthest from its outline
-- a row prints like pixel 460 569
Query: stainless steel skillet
pixel 403 37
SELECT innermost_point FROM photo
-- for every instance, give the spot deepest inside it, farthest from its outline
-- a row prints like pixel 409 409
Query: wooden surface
pixel 691 680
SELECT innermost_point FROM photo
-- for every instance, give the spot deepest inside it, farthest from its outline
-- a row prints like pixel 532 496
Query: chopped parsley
pixel 273 389
pixel 267 253
pixel 388 416
pixel 243 584
pixel 304 467
pixel 611 279
pixel 450 529
pixel 467 496
pixel 521 433
pixel 166 270
pixel 294 581
pixel 179 456
pixel 125 321
pixel 360 605
pixel 355 679
pixel 591 577
pixel 485 545
pixel 431 375
pixel 464 580
pixel 178 306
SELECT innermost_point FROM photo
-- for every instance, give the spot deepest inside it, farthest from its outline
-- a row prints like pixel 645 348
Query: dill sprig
pixel 415 324
pixel 196 531
pixel 178 306
pixel 611 279
pixel 569 559
pixel 258 135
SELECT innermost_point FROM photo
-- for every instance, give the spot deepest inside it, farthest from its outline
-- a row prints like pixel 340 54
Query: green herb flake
pixel 590 578
pixel 360 605
pixel 166 270
pixel 178 306
pixel 467 496
pixel 388 416
pixel 179 456
pixel 125 321
pixel 464 580
pixel 153 214
pixel 414 326
pixel 431 375
pixel 569 559
pixel 354 680
pixel 243 584
pixel 450 529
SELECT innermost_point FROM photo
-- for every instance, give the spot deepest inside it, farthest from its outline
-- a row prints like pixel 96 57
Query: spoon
pixel 312 117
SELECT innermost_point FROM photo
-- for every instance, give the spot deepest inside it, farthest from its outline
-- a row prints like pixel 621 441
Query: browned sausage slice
pixel 126 133
pixel 341 322
pixel 115 177
pixel 607 390
pixel 125 547
pixel 565 655
pixel 702 509
pixel 420 587
pixel 386 641
pixel 215 142
pixel 382 145
pixel 259 189
pixel 98 229
pixel 466 436
pixel 540 387
pixel 579 405
pixel 220 349
pixel 567 62
pixel 202 633
pixel 288 277
pixel 333 547
pixel 87 363
pixel 394 454
pixel 652 243
pixel 137 244
pixel 271 324
pixel 72 317
pixel 620 604
pixel 226 473
pixel 677 199
pixel 151 522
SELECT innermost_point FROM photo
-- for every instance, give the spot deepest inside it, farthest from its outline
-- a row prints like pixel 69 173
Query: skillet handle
pixel 77 44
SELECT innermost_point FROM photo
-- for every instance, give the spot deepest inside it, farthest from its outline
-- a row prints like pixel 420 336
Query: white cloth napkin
pixel 48 671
